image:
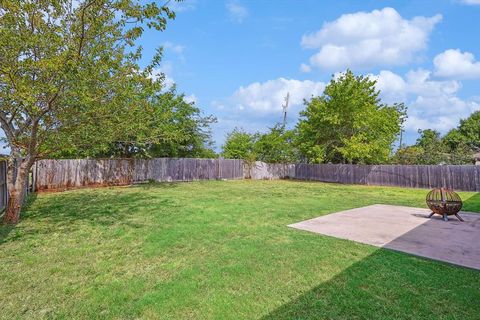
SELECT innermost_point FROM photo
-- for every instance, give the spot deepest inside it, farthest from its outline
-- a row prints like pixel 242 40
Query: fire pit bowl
pixel 444 202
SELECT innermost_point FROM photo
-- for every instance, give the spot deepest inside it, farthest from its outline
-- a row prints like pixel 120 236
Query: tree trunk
pixel 16 192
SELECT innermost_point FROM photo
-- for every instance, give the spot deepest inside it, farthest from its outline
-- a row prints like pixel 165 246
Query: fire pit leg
pixel 459 218
pixel 445 217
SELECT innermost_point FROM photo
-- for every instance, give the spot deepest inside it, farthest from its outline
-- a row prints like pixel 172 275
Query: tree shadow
pixel 472 203
pixel 157 185
pixel 66 211
pixel 5 230
pixel 389 285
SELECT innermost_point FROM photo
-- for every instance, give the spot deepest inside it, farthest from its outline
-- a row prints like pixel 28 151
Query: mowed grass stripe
pixel 218 250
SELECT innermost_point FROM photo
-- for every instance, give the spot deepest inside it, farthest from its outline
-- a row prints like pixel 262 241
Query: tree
pixel 466 136
pixel 408 155
pixel 276 146
pixel 189 131
pixel 462 142
pixel 239 145
pixel 348 123
pixel 178 128
pixel 454 139
pixel 470 129
pixel 69 76
pixel 432 146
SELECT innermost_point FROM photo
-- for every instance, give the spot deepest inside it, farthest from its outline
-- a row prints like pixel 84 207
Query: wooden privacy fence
pixel 464 177
pixel 64 174
pixel 75 173
pixel 269 171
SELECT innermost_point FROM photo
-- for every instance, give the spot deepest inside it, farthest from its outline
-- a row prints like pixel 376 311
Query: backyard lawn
pixel 218 250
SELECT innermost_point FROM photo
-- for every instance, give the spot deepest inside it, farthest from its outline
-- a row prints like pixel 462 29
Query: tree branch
pixel 82 22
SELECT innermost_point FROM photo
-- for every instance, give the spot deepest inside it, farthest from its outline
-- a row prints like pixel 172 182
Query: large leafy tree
pixel 276 146
pixel 186 132
pixel 470 129
pixel 349 123
pixel 456 147
pixel 69 76
pixel 173 127
pixel 466 135
pixel 408 155
pixel 432 148
pixel 239 144
pixel 462 142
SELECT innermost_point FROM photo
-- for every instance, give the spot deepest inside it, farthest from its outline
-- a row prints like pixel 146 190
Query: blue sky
pixel 237 59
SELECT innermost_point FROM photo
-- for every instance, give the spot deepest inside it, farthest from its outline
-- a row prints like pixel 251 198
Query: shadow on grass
pixel 156 185
pixel 102 207
pixel 472 203
pixel 389 285
pixel 5 230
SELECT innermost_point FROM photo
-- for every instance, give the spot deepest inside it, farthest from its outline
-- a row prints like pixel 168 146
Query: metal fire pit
pixel 444 202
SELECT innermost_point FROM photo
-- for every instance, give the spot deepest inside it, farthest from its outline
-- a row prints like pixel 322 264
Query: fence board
pixel 457 177
pixel 76 173
pixel 64 174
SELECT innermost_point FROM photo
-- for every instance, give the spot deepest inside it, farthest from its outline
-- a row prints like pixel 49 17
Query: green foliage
pixel 428 139
pixel 453 139
pixel 69 74
pixel 276 146
pixel 348 123
pixel 171 128
pixel 432 146
pixel 408 155
pixel 239 144
pixel 184 131
pixel 470 129
pixel 456 147
pixel 463 141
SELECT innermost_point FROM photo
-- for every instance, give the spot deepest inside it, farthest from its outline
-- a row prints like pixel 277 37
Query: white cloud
pixel 190 99
pixel 176 48
pixel 305 68
pixel 471 2
pixel 166 70
pixel 182 6
pixel 366 39
pixel 431 103
pixel 456 64
pixel 268 97
pixel 258 106
pixel 236 11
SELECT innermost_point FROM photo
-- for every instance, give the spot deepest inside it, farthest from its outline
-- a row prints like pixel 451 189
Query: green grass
pixel 218 250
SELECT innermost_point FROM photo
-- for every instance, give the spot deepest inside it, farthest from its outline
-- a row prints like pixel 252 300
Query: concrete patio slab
pixel 405 229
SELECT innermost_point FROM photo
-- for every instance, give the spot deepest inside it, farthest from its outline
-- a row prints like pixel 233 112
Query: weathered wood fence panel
pixel 186 169
pixel 77 173
pixel 269 171
pixel 457 177
pixel 3 185
pixel 64 174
